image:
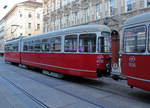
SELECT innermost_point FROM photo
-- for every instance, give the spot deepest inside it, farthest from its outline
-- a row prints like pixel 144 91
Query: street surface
pixel 23 88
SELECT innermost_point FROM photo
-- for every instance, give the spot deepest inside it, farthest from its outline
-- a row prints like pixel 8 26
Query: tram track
pixel 37 101
pixel 90 85
pixel 53 87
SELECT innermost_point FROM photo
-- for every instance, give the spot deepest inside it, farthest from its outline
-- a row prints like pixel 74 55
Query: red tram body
pixel 136 55
pixel 79 51
pixel 14 54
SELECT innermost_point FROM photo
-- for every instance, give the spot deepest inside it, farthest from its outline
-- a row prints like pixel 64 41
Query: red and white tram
pixel 12 51
pixel 79 51
pixel 136 55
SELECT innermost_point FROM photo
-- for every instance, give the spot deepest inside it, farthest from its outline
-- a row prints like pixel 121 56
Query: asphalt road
pixel 23 88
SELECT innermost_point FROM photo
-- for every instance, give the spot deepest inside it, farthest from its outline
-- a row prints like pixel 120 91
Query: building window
pixel 54 5
pixel 20 15
pixel 38 15
pixel 60 3
pixel 38 26
pixel 68 1
pixel 112 7
pixel 75 18
pixel 29 25
pixel 129 5
pixel 29 15
pixel 54 24
pixel 97 11
pixel 67 21
pixel 60 23
pixel 86 15
pixel 148 3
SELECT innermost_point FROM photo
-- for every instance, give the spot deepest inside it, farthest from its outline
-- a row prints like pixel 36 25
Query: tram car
pixel 82 51
pixel 12 51
pixel 136 54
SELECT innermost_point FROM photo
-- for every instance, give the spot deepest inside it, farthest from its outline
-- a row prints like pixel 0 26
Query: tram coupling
pixel 104 68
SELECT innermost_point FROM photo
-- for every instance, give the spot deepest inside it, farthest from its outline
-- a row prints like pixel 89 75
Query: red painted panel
pixel 12 57
pixel 136 66
pixel 73 64
pixel 139 84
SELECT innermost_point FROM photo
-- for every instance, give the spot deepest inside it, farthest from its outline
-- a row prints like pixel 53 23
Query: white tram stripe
pixel 138 79
pixel 13 59
pixel 58 66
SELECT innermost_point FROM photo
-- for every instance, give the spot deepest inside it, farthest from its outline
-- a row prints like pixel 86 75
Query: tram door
pixel 115 45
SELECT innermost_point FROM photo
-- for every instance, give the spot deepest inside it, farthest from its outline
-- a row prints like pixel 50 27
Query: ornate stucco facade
pixel 59 14
pixel 2 35
pixel 24 19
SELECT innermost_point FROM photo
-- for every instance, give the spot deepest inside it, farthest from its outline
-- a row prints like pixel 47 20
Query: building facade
pixel 59 14
pixel 24 19
pixel 2 35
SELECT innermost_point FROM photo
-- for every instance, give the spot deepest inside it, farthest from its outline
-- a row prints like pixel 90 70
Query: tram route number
pixel 132 65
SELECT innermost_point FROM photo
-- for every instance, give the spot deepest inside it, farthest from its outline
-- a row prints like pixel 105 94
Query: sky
pixel 9 4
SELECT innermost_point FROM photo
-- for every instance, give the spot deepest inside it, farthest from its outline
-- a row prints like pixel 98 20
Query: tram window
pixel 149 39
pixel 70 43
pixel 25 46
pixel 87 43
pixel 30 46
pixel 8 47
pixel 135 39
pixel 45 45
pixel 104 44
pixel 55 44
pixel 15 47
pixel 37 47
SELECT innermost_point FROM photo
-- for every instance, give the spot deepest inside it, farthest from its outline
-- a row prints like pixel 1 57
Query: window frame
pixel 124 43
pixel 29 15
pixel 58 51
pixel 132 2
pixel 98 10
pixel 76 43
pixel 112 7
pixel 108 45
pixel 148 43
pixel 92 47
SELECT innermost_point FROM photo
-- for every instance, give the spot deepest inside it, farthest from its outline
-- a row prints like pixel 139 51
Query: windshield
pixel 135 39
pixel 104 43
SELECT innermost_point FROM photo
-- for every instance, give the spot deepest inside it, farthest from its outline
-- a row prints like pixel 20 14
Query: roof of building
pixel 27 3
pixel 138 19
pixel 31 3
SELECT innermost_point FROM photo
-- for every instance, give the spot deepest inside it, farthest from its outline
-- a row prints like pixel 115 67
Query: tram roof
pixel 138 19
pixel 73 30
pixel 13 40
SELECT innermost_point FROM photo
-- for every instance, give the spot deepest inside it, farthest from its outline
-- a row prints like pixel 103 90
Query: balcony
pixel 85 4
pixel 45 1
pixel 95 2
pixel 75 6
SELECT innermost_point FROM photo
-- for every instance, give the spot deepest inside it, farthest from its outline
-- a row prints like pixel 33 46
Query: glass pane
pixel 135 39
pixel 56 44
pixel 70 43
pixel 104 42
pixel 87 43
pixel 45 45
